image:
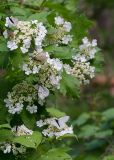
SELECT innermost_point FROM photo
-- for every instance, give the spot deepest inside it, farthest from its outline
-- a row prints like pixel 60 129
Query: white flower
pixel 24 50
pixel 80 58
pixel 34 21
pixel 67 68
pixel 43 92
pixel 59 20
pixel 40 123
pixel 12 45
pixel 67 130
pixel 32 109
pixel 55 127
pixel 5 34
pixel 35 69
pixel 66 39
pixel 22 130
pixel 94 42
pixel 55 63
pixel 7 148
pixel 10 22
pixel 27 43
pixel 67 26
pixel 26 69
pixel 55 80
pixel 18 107
pixel 38 41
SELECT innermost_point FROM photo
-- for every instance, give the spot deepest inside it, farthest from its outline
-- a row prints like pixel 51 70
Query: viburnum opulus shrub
pixel 44 51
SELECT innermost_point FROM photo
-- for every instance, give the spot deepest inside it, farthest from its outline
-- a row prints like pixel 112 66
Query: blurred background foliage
pixel 93 114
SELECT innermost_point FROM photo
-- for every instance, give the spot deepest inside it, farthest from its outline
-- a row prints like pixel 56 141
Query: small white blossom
pixel 40 123
pixel 55 80
pixel 7 148
pixel 12 45
pixel 94 42
pixel 59 20
pixel 56 63
pixel 32 109
pixel 35 69
pixel 66 39
pixel 67 68
pixel 67 26
pixel 43 92
pixel 34 21
pixel 5 34
pixel 24 50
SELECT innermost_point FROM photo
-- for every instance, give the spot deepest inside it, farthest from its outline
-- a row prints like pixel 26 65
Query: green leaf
pixel 5 126
pixel 108 114
pixel 3 46
pixel 28 119
pixel 60 52
pixel 68 136
pixel 88 131
pixel 94 144
pixel 55 112
pixel 98 62
pixel 3 111
pixel 69 85
pixel 83 118
pixel 55 154
pixel 5 134
pixel 103 134
pixel 20 11
pixel 30 141
pixel 41 17
pixel 36 3
pixel 16 59
pixel 110 157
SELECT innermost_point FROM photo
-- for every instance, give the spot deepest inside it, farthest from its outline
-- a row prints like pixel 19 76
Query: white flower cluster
pixel 56 127
pixel 63 27
pixel 24 32
pixel 47 70
pixel 83 71
pixel 22 95
pixel 35 62
pixel 21 130
pixel 86 51
pixel 82 68
pixel 11 147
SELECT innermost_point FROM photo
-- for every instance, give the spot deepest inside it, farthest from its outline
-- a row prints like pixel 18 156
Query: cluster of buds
pixel 55 127
pixel 23 94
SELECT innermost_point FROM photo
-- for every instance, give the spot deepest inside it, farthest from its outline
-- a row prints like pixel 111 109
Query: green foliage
pixel 55 154
pixel 31 141
pixel 60 52
pixel 95 130
pixel 5 135
pixel 69 85
pixel 55 112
